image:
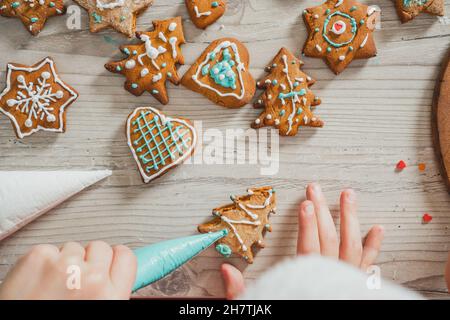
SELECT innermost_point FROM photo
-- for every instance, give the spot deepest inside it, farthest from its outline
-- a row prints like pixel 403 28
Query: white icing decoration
pixel 164 119
pixel 157 77
pixel 172 26
pixel 115 4
pixel 201 14
pixel 151 52
pixel 341 58
pixel 144 72
pixel 364 41
pixel 130 64
pixel 71 98
pixel 173 43
pixel 162 36
pixel 318 48
pixel 338 3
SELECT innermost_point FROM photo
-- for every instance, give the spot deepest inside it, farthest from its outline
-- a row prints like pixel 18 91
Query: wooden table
pixel 376 112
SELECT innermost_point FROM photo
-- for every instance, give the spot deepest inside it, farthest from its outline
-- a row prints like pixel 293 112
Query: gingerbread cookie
pixel 150 64
pixel 409 9
pixel 205 12
pixel 340 31
pixel 35 98
pixel 222 74
pixel 117 14
pixel 246 219
pixel 287 98
pixel 158 142
pixel 32 13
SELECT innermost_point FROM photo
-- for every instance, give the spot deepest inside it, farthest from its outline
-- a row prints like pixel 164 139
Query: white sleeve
pixel 316 277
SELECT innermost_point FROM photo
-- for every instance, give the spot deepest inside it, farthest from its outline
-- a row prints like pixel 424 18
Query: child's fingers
pixel 233 280
pixel 72 252
pixel 308 236
pixel 327 231
pixel 372 246
pixel 100 254
pixel 123 270
pixel 350 249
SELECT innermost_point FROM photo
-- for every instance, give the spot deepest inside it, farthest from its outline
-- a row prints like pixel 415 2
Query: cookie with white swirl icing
pixel 222 74
pixel 153 61
pixel 246 219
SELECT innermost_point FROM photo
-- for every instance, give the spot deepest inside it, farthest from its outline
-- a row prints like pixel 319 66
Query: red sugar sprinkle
pixel 427 218
pixel 401 165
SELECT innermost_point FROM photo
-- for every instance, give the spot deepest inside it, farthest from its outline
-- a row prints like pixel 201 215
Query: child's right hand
pixel 72 272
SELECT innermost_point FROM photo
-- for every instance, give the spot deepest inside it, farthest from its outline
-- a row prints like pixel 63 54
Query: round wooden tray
pixel 441 120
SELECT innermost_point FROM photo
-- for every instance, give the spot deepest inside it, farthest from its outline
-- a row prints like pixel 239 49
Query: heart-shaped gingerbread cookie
pixel 205 12
pixel 158 142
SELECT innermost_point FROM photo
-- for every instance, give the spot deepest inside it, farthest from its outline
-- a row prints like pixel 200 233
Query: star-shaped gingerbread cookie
pixel 35 98
pixel 32 13
pixel 150 64
pixel 117 14
pixel 340 31
pixel 409 9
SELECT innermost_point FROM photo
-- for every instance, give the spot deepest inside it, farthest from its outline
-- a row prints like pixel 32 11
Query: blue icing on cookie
pixel 224 250
pixel 409 3
pixel 205 69
pixel 222 72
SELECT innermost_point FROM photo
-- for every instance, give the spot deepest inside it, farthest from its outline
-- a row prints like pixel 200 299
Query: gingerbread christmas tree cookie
pixel 246 219
pixel 205 12
pixel 409 9
pixel 287 99
pixel 32 13
pixel 340 31
pixel 117 14
pixel 151 63
pixel 35 98
pixel 158 142
pixel 222 74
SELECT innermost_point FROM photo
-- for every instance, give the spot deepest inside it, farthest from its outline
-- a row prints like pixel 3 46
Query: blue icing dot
pixel 282 112
pixel 296 84
pixel 134 85
pixel 224 250
pixel 164 65
pixel 205 70
pixel 127 51
pixel 222 73
pixel 215 4
pixel 274 82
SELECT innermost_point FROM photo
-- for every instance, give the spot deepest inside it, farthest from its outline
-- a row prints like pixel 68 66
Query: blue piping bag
pixel 156 261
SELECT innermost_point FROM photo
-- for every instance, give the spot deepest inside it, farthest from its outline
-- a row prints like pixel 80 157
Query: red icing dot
pixel 427 218
pixel 401 165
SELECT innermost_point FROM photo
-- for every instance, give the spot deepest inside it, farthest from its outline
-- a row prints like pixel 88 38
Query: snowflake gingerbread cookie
pixel 35 98
pixel 205 12
pixel 409 9
pixel 222 74
pixel 158 142
pixel 151 63
pixel 246 219
pixel 287 99
pixel 32 13
pixel 117 14
pixel 340 31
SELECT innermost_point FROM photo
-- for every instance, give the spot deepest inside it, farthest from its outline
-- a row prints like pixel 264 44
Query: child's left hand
pixel 72 272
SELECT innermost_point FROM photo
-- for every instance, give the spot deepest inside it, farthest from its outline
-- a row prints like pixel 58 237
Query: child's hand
pixel 72 272
pixel 317 235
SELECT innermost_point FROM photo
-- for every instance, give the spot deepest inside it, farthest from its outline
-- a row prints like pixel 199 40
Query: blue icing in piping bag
pixel 156 261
